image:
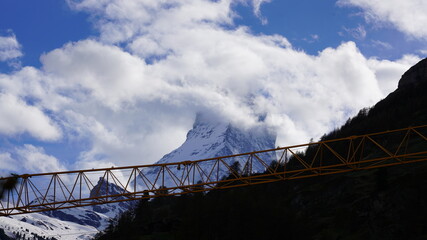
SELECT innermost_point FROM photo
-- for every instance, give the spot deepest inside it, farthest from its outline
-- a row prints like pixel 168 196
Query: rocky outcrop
pixel 415 75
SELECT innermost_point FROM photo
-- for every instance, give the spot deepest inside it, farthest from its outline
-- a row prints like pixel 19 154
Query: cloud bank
pixel 9 48
pixel 407 16
pixel 28 159
pixel 132 92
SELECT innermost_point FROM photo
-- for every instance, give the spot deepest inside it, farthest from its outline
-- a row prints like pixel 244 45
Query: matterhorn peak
pixel 213 137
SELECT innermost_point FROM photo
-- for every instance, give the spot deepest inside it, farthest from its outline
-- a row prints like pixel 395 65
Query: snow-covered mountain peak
pixel 211 137
pixel 103 188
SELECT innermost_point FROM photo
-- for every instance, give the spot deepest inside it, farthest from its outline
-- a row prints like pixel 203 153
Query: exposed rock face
pixel 103 188
pixel 98 215
pixel 415 75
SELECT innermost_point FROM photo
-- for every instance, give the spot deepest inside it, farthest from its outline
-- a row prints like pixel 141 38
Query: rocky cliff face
pixel 113 209
pixel 415 75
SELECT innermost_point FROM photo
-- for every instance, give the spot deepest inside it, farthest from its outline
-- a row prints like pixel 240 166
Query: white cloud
pixel 109 74
pixel 313 38
pixel 28 159
pixel 408 16
pixel 257 9
pixel 388 71
pixel 35 160
pixel 423 51
pixel 358 32
pixel 8 164
pixel 121 20
pixel 381 44
pixel 9 48
pixel 17 117
pixel 134 103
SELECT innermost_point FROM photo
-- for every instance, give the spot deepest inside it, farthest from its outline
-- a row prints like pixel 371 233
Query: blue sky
pixel 310 26
pixel 100 83
pixel 332 24
pixel 41 26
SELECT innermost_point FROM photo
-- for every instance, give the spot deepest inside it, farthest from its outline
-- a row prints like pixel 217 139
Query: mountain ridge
pixel 415 75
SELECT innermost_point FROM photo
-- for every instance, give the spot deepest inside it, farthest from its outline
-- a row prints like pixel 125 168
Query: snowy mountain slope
pixel 213 138
pixel 73 223
pixel 35 224
pixel 113 209
pixel 210 138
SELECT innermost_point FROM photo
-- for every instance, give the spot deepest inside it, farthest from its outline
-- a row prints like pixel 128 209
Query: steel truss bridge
pixel 69 189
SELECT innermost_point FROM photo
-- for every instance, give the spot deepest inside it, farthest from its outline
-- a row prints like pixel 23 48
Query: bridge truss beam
pixel 69 189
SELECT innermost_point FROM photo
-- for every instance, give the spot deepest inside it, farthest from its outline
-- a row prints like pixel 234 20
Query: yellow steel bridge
pixel 59 190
